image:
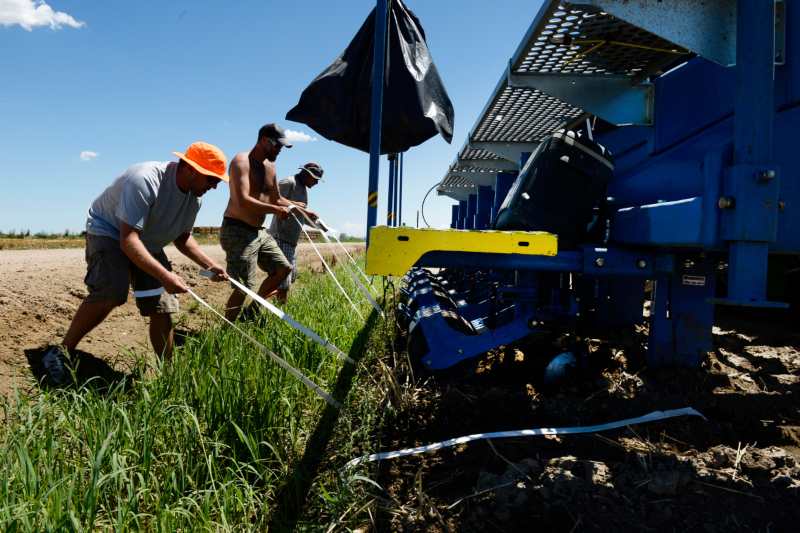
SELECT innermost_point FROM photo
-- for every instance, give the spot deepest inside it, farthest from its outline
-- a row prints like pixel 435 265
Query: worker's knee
pixel 161 321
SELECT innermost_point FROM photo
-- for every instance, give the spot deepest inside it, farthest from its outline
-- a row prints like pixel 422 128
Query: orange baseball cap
pixel 206 159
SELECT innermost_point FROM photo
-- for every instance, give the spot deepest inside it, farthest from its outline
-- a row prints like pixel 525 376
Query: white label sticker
pixel 694 281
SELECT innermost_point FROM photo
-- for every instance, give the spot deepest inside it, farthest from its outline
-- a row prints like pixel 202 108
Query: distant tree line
pixel 26 234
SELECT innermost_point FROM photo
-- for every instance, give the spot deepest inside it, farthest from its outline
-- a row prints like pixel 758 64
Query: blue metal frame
pixel 483 213
pixel 712 182
pixel 391 192
pixel 378 70
pixel 399 208
pixel 754 180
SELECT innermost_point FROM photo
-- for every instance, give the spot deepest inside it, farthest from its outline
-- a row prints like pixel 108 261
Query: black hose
pixel 422 207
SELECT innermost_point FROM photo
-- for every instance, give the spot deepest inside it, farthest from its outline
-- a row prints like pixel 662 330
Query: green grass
pixel 205 445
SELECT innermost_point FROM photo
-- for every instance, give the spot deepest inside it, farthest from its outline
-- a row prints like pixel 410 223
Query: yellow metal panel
pixel 392 251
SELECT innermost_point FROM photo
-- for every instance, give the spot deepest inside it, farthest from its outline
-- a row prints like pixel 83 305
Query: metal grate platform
pixel 474 154
pixel 456 187
pixel 572 38
pixel 522 115
pixel 568 46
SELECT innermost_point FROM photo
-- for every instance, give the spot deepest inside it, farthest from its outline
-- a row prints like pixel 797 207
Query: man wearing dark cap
pixel 287 231
pixel 254 194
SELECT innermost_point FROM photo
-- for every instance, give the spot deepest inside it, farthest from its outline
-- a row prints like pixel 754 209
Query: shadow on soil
pixel 89 371
pixel 292 497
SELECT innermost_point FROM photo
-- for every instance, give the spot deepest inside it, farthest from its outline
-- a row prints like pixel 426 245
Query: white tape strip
pixel 286 318
pixel 352 261
pixel 325 264
pixel 280 361
pixel 147 293
pixel 350 273
pixel 574 430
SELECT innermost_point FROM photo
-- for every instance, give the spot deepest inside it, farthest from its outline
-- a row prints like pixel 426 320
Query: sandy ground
pixel 40 290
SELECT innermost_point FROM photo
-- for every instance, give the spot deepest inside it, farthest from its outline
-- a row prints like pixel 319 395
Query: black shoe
pixel 251 313
pixel 54 363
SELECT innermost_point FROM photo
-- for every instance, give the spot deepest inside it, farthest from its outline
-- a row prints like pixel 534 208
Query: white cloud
pixel 87 155
pixel 297 136
pixel 34 13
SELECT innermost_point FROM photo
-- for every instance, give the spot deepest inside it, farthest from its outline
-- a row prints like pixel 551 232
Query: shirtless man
pixel 254 194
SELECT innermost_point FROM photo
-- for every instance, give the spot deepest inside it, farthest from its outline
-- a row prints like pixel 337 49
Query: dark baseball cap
pixel 314 170
pixel 273 131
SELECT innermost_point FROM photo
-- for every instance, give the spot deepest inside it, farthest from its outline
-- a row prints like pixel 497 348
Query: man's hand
pixel 321 225
pixel 173 283
pixel 282 212
pixel 219 273
pixel 311 214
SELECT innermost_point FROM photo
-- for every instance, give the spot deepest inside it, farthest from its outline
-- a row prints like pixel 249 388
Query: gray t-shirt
pixel 288 230
pixel 146 197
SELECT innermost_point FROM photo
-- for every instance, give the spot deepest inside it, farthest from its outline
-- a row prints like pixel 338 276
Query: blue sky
pixel 123 82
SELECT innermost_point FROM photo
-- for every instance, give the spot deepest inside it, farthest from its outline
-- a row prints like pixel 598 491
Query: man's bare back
pixel 248 180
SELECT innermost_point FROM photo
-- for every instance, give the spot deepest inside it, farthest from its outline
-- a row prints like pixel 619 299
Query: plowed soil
pixel 40 290
pixel 737 470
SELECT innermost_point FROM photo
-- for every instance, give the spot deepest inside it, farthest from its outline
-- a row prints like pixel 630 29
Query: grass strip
pixel 293 495
pixel 205 445
pixel 344 500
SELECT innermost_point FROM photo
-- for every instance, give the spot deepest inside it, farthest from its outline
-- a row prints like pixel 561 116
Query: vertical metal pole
pixel 378 67
pixel 390 195
pixel 396 185
pixel 753 180
pixel 483 213
pixel 462 213
pixel 472 208
pixel 400 193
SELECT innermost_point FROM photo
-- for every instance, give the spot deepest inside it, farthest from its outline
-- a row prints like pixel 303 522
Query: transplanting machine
pixel 629 148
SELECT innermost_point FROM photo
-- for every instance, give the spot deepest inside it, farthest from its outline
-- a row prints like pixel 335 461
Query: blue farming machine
pixel 632 150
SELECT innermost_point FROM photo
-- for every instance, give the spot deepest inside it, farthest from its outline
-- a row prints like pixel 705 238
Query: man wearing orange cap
pixel 254 194
pixel 149 206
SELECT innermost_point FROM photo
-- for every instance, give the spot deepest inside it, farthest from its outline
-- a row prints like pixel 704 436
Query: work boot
pixel 54 363
pixel 250 313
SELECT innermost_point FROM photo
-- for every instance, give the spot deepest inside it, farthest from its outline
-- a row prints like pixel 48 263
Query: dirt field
pixel 40 290
pixel 738 470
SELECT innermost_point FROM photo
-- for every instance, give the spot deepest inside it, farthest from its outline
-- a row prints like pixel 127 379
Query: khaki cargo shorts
pixel 290 252
pixel 110 273
pixel 247 247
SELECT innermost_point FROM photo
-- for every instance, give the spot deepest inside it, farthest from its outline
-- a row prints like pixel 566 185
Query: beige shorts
pixel 110 273
pixel 247 247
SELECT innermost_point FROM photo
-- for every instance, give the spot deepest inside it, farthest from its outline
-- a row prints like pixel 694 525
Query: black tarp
pixel 337 104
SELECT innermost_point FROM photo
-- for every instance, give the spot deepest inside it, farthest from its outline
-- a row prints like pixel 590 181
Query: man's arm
pixel 131 244
pixel 240 191
pixel 284 187
pixel 188 246
pixel 273 187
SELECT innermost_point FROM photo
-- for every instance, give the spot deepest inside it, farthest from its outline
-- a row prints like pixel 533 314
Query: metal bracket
pixel 612 98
